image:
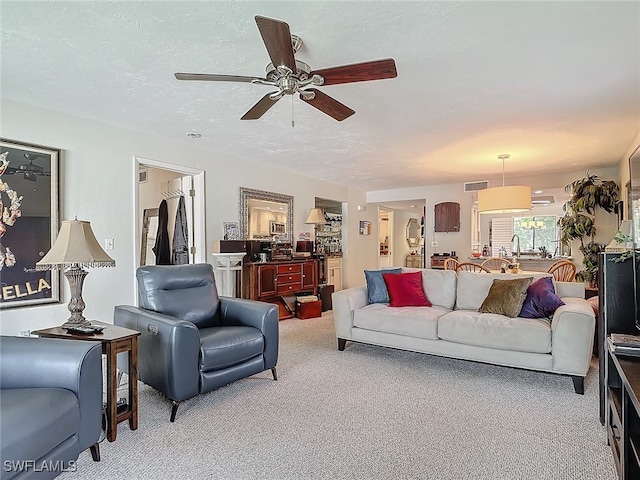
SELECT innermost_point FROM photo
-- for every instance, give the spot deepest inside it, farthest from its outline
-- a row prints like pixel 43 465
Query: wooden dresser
pixel 271 281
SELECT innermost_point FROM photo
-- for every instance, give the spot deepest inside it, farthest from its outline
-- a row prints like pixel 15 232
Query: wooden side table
pixel 114 340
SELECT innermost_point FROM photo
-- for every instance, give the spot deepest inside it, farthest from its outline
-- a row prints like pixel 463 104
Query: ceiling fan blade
pixel 358 72
pixel 216 78
pixel 277 38
pixel 328 105
pixel 260 108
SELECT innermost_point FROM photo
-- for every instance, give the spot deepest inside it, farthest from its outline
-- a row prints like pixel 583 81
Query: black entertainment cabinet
pixel 623 412
pixel 616 313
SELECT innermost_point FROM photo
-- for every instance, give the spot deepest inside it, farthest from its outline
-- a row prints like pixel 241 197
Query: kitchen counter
pixel 536 264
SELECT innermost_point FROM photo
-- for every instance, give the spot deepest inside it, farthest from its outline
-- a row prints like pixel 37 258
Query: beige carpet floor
pixel 366 413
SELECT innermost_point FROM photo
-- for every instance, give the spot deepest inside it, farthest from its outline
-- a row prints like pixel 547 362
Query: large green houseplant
pixel 578 223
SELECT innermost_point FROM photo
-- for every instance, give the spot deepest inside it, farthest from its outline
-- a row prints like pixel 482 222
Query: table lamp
pixel 315 218
pixel 76 247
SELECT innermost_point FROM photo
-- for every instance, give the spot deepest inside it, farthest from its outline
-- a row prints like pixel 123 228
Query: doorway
pixel 156 181
pixel 385 234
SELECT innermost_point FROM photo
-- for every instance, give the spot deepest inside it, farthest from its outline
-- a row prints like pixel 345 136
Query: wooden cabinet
pixel 414 261
pixel 447 217
pixel 437 261
pixel 309 275
pixel 271 281
pixel 266 280
pixel 334 273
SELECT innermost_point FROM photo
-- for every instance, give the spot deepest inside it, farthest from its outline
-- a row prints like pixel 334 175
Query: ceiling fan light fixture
pixel 307 95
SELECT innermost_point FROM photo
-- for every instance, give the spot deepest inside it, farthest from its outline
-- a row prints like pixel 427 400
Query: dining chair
pixel 471 267
pixel 451 264
pixel 494 263
pixel 563 271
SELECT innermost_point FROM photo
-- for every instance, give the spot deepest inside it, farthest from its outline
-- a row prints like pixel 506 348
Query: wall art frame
pixel 230 231
pixel 29 197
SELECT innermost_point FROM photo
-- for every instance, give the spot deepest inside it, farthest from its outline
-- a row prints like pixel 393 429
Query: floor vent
pixel 475 186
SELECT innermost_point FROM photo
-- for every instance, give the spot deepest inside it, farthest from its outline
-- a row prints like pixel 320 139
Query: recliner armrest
pixel 27 362
pixel 168 351
pixel 252 313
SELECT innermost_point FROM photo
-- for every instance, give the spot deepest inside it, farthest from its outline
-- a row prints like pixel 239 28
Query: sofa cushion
pixel 419 322
pixel 222 347
pixel 36 420
pixel 439 285
pixel 496 331
pixel 474 287
pixel 405 289
pixel 506 296
pixel 541 300
pixel 376 288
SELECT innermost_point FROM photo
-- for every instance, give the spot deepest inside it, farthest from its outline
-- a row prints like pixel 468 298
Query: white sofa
pixel 453 327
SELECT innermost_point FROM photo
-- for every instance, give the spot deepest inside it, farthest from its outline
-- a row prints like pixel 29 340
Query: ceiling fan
pixel 291 76
pixel 29 171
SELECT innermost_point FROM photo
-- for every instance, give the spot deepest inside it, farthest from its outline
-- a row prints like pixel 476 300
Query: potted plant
pixel 578 223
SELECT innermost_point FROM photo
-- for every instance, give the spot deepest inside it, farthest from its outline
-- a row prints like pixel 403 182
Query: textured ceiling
pixel 555 84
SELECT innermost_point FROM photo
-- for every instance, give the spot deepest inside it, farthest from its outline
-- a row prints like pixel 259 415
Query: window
pixel 536 232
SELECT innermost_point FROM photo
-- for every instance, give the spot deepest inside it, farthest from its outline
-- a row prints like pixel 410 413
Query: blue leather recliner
pixel 50 405
pixel 193 341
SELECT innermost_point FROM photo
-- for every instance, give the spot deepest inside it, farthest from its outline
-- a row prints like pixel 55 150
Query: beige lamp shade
pixel 76 245
pixel 509 199
pixel 315 216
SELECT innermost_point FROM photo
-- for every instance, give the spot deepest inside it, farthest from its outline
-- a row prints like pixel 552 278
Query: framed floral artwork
pixel 230 231
pixel 29 223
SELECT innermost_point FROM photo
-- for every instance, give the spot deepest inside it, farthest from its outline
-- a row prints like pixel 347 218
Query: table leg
pixel 133 384
pixel 112 391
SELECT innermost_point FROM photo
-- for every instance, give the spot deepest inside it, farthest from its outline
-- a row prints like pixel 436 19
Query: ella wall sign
pixel 29 223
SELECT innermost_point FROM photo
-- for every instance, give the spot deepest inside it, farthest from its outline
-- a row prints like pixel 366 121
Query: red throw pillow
pixel 405 289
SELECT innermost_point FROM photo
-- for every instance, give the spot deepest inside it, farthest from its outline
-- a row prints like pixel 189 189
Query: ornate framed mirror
pixel 149 229
pixel 261 210
pixel 413 233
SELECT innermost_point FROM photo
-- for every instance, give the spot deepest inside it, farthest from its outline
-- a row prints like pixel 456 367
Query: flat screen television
pixel 633 200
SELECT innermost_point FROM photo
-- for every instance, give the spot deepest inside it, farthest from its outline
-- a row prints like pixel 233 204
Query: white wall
pixel 461 241
pixel 97 180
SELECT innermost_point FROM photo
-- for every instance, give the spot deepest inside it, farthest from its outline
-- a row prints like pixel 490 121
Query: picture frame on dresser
pixel 29 193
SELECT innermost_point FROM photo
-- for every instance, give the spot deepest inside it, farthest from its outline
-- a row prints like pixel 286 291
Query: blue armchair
pixel 50 404
pixel 193 341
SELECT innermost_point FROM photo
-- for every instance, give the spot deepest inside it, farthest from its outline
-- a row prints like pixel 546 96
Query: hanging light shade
pixel 315 216
pixel 504 199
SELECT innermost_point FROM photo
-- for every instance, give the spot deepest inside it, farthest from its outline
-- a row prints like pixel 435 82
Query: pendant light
pixel 504 199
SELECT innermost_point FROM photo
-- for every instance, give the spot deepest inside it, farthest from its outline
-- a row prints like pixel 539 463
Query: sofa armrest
pixel 27 362
pixel 572 332
pixel 168 351
pixel 345 302
pixel 569 289
pixel 261 315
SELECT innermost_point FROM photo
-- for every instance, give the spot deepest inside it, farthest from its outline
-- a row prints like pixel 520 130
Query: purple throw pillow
pixel 541 300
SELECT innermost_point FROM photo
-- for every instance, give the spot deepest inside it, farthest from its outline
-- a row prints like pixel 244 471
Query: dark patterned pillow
pixel 506 296
pixel 541 300
pixel 376 288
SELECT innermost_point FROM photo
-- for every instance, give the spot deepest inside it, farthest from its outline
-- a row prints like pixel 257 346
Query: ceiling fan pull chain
pixel 293 123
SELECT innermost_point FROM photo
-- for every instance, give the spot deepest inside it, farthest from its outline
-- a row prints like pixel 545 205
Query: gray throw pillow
pixel 376 288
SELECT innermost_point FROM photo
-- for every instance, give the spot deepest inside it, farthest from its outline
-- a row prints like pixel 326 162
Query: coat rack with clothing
pixel 175 252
